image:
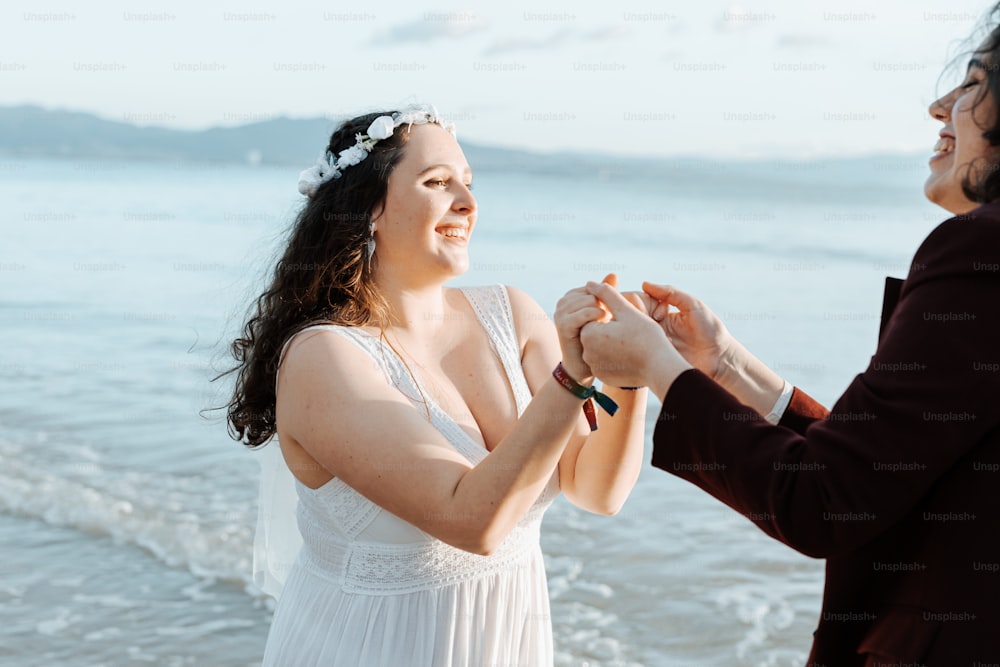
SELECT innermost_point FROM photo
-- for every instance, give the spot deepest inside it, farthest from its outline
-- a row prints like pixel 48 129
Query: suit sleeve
pixel 802 411
pixel 827 484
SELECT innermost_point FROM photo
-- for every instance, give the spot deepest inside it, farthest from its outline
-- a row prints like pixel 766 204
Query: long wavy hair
pixel 322 277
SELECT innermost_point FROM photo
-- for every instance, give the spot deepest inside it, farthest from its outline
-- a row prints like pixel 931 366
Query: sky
pixel 779 78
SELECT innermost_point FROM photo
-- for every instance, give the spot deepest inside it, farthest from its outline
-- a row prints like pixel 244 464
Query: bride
pixel 425 427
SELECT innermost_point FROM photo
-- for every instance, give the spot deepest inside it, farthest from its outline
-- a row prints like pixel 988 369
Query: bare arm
pixel 597 470
pixel 335 405
pixel 705 342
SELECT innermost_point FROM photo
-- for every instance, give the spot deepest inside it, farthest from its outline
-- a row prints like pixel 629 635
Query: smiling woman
pixel 423 425
pixel 963 168
pixel 423 228
pixel 888 486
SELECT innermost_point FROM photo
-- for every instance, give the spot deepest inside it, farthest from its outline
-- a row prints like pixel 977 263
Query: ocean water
pixel 127 514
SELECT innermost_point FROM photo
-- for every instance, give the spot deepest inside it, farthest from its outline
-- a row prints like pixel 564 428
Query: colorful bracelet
pixel 586 393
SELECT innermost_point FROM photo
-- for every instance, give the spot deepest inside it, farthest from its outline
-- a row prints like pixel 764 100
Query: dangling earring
pixel 370 247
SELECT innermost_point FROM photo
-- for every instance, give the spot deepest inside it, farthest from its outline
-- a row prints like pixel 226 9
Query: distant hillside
pixel 31 131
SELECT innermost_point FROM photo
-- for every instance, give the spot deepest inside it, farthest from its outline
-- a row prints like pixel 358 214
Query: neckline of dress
pixel 432 404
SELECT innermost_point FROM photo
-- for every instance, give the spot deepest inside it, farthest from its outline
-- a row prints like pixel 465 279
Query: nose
pixel 465 202
pixel 940 108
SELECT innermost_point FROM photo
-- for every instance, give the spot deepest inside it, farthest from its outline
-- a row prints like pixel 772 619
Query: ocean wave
pixel 179 520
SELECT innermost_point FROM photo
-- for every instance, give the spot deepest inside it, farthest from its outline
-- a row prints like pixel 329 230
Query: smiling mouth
pixel 454 232
pixel 944 146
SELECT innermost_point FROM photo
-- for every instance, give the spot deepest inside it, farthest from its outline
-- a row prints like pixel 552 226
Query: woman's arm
pixel 703 339
pixel 911 419
pixel 705 342
pixel 336 405
pixel 597 470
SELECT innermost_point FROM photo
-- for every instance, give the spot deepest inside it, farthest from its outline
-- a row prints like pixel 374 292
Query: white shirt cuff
pixel 774 416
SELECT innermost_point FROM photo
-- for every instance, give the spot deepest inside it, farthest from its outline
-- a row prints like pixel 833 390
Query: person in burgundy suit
pixel 898 485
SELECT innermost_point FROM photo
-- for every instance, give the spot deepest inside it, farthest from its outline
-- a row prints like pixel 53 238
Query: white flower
pixel 318 174
pixel 309 181
pixel 381 128
pixel 412 116
pixel 329 166
pixel 421 114
pixel 351 156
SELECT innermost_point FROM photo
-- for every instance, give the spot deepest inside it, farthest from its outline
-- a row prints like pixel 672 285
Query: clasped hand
pixel 644 338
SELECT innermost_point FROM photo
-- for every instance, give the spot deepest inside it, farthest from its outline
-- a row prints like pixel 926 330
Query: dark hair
pixel 322 277
pixel 981 183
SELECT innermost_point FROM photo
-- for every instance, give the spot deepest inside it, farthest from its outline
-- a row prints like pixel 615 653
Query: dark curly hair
pixel 322 277
pixel 981 183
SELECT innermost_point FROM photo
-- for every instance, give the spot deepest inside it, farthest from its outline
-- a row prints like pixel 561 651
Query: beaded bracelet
pixel 586 393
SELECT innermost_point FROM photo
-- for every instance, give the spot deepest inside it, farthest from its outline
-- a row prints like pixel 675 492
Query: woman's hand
pixel 693 329
pixel 631 349
pixel 705 343
pixel 642 301
pixel 576 309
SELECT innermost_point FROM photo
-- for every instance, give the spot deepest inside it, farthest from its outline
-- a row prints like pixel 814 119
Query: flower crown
pixel 328 166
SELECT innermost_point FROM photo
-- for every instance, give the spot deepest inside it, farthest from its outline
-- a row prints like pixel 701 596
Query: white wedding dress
pixel 370 590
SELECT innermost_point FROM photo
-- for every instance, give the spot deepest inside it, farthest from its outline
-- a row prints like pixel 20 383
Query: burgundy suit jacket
pixel 898 486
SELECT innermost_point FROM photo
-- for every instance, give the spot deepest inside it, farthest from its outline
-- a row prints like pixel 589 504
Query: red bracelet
pixel 586 393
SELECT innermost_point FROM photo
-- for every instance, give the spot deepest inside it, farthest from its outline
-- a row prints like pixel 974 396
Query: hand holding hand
pixel 631 349
pixel 693 329
pixel 642 301
pixel 703 340
pixel 576 309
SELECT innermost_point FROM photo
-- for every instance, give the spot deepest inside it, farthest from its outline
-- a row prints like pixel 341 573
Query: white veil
pixel 277 541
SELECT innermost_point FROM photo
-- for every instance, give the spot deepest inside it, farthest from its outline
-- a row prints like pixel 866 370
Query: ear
pixel 376 214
